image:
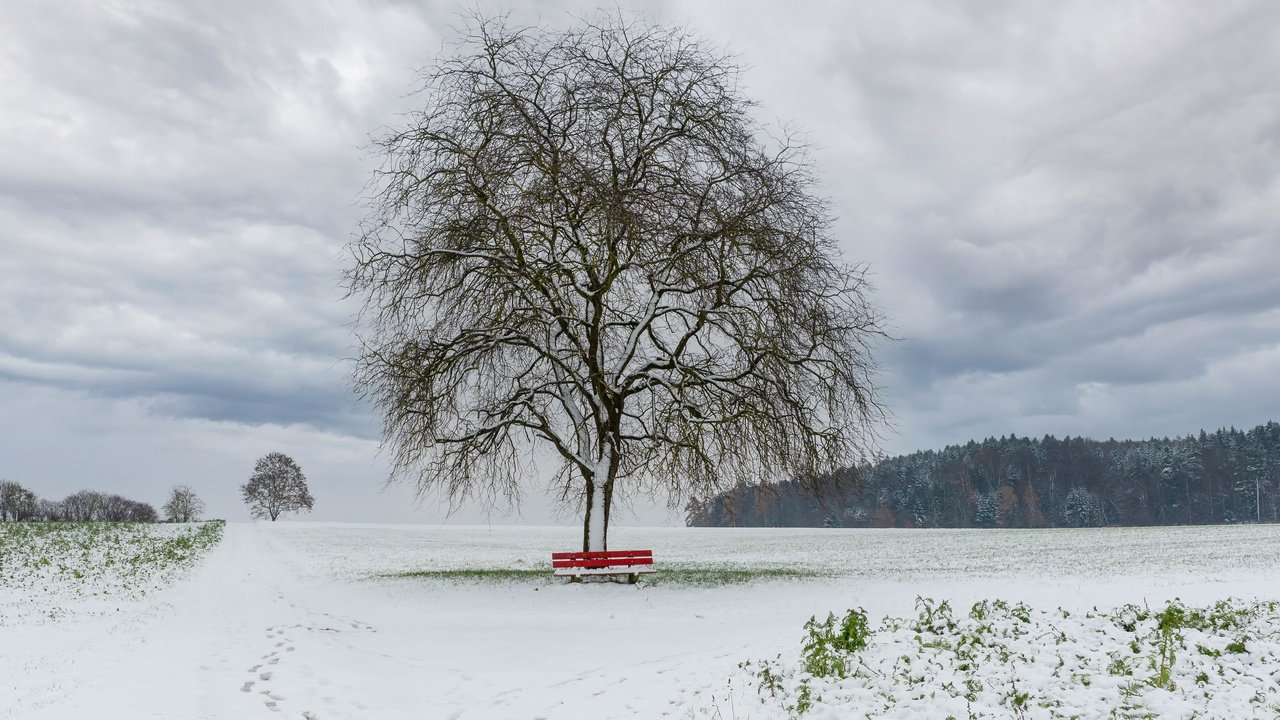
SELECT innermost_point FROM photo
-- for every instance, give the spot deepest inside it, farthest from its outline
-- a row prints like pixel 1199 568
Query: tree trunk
pixel 599 491
pixel 596 520
pixel 608 506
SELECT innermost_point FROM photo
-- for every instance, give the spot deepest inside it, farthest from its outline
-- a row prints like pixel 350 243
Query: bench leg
pixel 576 578
pixel 633 578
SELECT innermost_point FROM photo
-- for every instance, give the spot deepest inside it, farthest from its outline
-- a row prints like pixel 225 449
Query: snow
pixel 300 620
pixel 1007 660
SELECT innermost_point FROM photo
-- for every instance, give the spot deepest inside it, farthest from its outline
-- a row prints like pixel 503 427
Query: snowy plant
pixel 1009 660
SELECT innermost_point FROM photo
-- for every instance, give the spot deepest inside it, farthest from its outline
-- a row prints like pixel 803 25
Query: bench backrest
pixel 601 558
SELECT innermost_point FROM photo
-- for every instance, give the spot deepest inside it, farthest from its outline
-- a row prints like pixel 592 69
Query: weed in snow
pixel 1009 660
pixel 50 563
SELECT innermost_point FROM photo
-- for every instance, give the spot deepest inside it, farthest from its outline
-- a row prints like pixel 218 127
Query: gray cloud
pixel 1061 205
pixel 1071 212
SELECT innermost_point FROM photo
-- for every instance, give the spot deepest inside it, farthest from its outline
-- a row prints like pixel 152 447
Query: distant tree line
pixel 1229 476
pixel 18 504
pixel 276 487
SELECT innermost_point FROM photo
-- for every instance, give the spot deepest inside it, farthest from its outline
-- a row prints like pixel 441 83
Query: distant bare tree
pixel 113 508
pixel 16 502
pixel 276 486
pixel 584 242
pixel 84 506
pixel 49 510
pixel 94 506
pixel 135 511
pixel 183 505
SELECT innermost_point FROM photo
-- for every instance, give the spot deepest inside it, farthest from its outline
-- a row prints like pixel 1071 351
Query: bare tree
pixel 94 506
pixel 84 506
pixel 276 486
pixel 584 242
pixel 16 502
pixel 114 508
pixel 183 505
pixel 138 511
pixel 48 510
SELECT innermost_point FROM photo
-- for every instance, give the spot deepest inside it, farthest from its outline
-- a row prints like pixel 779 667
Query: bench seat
pixel 632 563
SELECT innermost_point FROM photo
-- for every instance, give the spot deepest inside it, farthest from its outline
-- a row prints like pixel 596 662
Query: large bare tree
pixel 584 241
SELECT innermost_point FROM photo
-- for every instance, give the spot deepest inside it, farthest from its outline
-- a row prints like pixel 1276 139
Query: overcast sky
pixel 1071 212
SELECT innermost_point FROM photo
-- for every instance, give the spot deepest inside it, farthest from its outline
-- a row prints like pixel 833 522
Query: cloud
pixel 177 192
pixel 1059 204
pixel 1071 212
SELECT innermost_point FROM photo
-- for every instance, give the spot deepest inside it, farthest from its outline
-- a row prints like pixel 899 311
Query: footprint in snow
pixel 247 686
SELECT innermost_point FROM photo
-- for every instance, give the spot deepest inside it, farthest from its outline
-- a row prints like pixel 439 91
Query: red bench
pixel 631 563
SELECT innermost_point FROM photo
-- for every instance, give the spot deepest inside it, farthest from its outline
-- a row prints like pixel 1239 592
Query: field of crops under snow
pixel 310 620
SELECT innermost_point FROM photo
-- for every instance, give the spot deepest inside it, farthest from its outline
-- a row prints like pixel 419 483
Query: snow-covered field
pixel 302 620
pixel 49 570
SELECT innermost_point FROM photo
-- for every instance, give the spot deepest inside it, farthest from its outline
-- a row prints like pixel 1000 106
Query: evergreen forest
pixel 1228 476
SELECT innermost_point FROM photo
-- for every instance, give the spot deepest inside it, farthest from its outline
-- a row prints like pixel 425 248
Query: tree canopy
pixel 183 505
pixel 277 486
pixel 584 242
pixel 1227 476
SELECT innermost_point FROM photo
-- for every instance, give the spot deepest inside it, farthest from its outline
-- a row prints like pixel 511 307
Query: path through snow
pixel 256 632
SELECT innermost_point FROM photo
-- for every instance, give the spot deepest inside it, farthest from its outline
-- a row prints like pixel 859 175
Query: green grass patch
pixel 694 576
pixel 715 575
pixel 475 575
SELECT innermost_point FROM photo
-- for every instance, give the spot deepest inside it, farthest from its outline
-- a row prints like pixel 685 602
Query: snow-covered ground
pixel 301 620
